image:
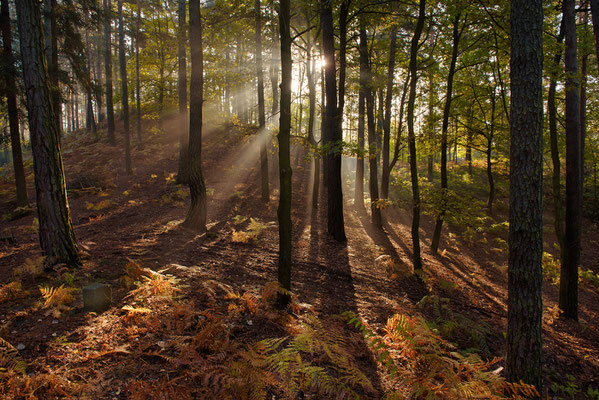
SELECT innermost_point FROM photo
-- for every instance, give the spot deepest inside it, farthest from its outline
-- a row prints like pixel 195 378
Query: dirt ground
pixel 140 220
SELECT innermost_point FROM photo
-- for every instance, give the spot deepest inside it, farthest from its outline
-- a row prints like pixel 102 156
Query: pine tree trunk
pixel 108 72
pixel 284 210
pixel 568 293
pixel 444 129
pixel 196 215
pixel 124 90
pixel 57 238
pixel 333 129
pixel 263 134
pixel 412 137
pixel 183 173
pixel 525 309
pixel 11 102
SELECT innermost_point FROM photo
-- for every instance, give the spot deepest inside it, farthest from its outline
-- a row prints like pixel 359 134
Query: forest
pixel 309 199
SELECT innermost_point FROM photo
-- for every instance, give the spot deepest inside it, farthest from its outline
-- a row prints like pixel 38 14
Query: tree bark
pixel 444 129
pixel 57 238
pixel 525 308
pixel 108 71
pixel 568 293
pixel 196 216
pixel 284 210
pixel 11 102
pixel 262 133
pixel 124 90
pixel 333 135
pixel 412 137
pixel 182 173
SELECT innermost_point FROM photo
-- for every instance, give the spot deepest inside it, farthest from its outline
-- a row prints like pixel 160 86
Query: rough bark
pixel 263 134
pixel 524 347
pixel 182 173
pixel 10 92
pixel 196 215
pixel 284 210
pixel 108 71
pixel 412 137
pixel 568 293
pixel 456 34
pixel 332 137
pixel 57 238
pixel 124 90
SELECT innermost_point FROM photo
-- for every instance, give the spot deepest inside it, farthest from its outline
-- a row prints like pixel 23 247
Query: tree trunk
pixel 57 238
pixel 284 210
pixel 333 129
pixel 98 60
pixel 182 173
pixel 553 139
pixel 366 92
pixel 124 91
pixel 262 133
pixel 108 71
pixel 525 309
pixel 90 118
pixel 274 69
pixel 491 133
pixel 311 116
pixel 412 136
pixel 196 216
pixel 359 189
pixel 583 102
pixel 430 128
pixel 11 102
pixel 568 293
pixel 387 120
pixel 444 129
pixel 137 83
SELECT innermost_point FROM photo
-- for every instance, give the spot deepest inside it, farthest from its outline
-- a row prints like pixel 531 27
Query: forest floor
pixel 125 224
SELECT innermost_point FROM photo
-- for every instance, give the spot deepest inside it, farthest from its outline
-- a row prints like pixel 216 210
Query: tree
pixel 284 136
pixel 525 309
pixel 57 238
pixel 366 93
pixel 412 136
pixel 137 80
pixel 333 136
pixel 124 90
pixel 456 34
pixel 11 100
pixel 196 215
pixel 108 71
pixel 263 135
pixel 183 173
pixel 568 291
